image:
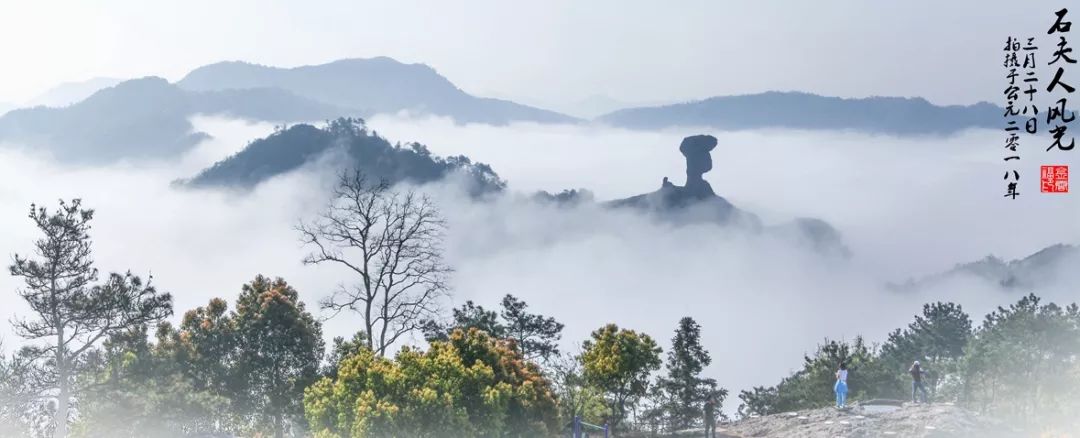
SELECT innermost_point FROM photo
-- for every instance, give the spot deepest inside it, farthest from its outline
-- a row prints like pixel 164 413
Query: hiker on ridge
pixel 917 386
pixel 710 416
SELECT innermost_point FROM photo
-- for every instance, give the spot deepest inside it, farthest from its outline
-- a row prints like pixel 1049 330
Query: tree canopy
pixel 470 385
pixel 619 363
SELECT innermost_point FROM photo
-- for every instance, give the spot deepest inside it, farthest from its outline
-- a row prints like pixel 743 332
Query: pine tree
pixel 535 336
pixel 73 314
pixel 686 391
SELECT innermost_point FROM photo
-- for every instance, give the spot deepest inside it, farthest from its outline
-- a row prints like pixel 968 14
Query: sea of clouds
pixel 906 207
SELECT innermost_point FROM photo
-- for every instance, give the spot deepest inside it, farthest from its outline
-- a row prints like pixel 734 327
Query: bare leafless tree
pixel 392 240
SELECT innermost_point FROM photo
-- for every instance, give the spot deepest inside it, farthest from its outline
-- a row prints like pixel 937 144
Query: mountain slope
pixel 884 115
pixel 357 148
pixel 1041 268
pixel 145 118
pixel 71 92
pixel 376 85
pixel 148 117
pixel 136 119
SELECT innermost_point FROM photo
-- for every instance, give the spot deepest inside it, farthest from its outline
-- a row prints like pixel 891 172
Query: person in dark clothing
pixel 917 386
pixel 710 416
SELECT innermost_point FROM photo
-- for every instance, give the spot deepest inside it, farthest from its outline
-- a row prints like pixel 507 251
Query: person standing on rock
pixel 917 383
pixel 841 386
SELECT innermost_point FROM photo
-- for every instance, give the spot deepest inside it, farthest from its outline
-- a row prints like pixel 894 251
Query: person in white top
pixel 841 386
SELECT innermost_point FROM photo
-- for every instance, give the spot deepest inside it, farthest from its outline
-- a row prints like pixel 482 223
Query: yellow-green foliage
pixel 619 362
pixel 471 385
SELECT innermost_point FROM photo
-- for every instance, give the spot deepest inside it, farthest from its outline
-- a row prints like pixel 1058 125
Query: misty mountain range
pixel 370 86
pixel 883 115
pixel 147 117
pixel 1031 272
pixel 150 118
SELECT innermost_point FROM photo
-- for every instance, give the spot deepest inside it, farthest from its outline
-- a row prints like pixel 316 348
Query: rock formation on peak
pixel 698 152
pixel 696 201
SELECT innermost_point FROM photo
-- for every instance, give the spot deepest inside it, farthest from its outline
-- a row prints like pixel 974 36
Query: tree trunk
pixel 62 378
pixel 368 323
pixel 62 412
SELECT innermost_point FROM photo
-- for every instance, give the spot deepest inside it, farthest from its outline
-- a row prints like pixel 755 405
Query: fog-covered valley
pixel 906 208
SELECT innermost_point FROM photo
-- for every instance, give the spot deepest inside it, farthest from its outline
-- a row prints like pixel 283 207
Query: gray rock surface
pixel 910 421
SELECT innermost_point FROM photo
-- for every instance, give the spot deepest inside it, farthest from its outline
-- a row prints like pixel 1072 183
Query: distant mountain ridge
pixel 146 118
pixel 370 86
pixel 69 93
pixel 1035 270
pixel 798 110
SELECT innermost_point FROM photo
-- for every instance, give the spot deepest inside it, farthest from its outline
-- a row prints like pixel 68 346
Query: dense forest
pixel 102 356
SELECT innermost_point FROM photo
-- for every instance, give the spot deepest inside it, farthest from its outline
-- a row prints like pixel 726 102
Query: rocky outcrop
pixel 696 201
pixel 698 152
pixel 922 421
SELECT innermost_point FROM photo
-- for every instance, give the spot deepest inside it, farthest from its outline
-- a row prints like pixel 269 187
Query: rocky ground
pixel 909 421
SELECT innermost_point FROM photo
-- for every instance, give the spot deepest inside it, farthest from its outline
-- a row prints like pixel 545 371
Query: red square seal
pixel 1055 179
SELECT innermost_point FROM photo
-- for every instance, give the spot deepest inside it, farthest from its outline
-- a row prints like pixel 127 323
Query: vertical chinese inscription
pixel 1055 178
pixel 1022 108
pixel 1020 104
pixel 1057 115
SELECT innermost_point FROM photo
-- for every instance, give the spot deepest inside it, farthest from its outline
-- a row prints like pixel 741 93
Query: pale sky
pixel 555 51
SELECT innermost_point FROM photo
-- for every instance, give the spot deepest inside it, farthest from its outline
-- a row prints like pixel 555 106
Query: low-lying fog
pixel 905 206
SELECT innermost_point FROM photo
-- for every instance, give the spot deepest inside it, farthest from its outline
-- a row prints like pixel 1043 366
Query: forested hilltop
pixel 290 148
